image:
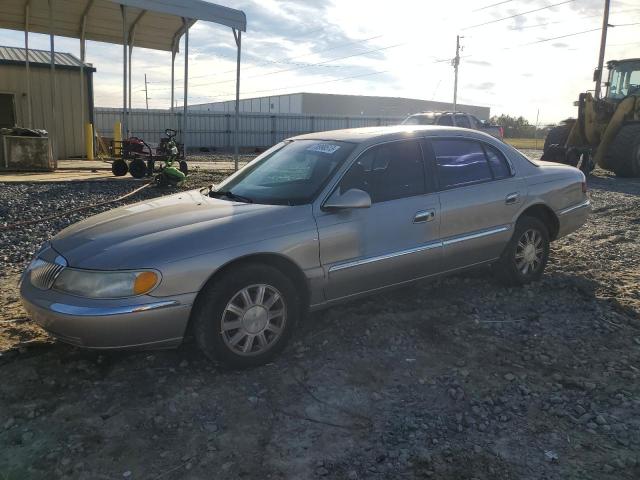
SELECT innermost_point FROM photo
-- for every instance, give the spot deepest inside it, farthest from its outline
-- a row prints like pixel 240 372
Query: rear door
pixel 393 241
pixel 479 198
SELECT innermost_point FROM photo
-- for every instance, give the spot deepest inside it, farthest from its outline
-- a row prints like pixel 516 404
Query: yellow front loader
pixel 607 130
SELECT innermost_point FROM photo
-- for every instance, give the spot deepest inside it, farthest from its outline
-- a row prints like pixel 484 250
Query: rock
pixel 352 475
pixel 9 423
pixel 322 471
pixel 607 468
pixel 126 474
pixel 510 377
pixel 184 364
pixel 600 420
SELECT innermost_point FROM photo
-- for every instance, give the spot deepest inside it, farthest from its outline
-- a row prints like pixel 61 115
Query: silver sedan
pixel 315 220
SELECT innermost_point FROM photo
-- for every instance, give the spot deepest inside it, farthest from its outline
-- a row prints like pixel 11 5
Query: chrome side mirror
pixel 353 198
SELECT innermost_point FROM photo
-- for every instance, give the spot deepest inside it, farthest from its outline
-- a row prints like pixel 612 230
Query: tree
pixel 518 127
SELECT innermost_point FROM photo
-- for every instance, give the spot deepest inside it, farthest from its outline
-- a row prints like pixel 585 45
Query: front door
pixel 393 241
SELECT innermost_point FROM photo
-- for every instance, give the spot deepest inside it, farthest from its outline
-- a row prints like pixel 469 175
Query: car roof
pixel 362 135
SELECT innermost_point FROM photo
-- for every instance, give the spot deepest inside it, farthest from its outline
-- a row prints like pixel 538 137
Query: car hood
pixel 165 229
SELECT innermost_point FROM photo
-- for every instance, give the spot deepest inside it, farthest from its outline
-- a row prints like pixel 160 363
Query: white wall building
pixel 325 104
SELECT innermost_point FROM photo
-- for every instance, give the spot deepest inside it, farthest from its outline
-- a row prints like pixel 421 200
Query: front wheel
pixel 525 256
pixel 245 317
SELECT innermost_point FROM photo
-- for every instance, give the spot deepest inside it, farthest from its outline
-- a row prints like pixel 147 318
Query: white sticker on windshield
pixel 324 148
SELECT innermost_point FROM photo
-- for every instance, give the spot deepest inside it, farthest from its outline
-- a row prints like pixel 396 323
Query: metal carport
pixel 155 24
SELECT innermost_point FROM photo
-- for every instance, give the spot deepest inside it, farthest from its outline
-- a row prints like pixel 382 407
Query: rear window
pixel 497 162
pixel 446 120
pixel 460 163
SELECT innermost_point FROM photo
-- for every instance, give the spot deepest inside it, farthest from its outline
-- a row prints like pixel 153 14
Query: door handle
pixel 424 216
pixel 512 198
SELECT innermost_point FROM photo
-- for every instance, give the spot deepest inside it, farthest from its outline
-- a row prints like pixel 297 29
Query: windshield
pixel 290 173
pixel 420 120
pixel 624 80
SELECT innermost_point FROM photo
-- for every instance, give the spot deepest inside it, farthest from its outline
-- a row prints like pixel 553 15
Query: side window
pixel 388 172
pixel 462 121
pixel 497 162
pixel 445 121
pixel 460 163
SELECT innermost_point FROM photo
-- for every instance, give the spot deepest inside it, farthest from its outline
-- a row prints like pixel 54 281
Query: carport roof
pixel 155 24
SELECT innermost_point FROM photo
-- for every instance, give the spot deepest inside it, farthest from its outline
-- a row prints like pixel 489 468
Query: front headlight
pixel 95 284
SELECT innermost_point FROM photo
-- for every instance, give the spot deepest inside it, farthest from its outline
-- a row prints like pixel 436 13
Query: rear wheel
pixel 184 168
pixel 554 145
pixel 624 153
pixel 138 168
pixel 525 256
pixel 245 317
pixel 119 168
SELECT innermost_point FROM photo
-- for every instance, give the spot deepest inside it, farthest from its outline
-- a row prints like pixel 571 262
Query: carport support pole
pixel 173 76
pixel 124 75
pixel 186 85
pixel 237 34
pixel 52 126
pixel 26 47
pixel 82 105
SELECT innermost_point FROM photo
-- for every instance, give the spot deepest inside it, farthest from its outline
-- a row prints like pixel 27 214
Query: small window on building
pixel 7 110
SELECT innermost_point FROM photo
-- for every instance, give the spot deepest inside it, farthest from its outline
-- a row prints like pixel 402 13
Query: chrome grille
pixel 42 273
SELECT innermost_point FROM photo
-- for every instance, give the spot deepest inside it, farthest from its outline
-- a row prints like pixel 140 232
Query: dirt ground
pixel 459 378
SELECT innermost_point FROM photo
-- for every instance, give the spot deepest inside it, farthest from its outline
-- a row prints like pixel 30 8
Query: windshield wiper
pixel 230 195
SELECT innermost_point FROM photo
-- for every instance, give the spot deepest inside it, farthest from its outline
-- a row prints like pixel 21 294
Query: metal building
pixel 322 104
pixel 69 117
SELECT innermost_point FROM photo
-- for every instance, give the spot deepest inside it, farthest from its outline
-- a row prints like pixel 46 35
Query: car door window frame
pixel 429 183
pixel 434 164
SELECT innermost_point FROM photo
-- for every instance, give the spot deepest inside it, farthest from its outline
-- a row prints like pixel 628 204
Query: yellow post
pixel 88 140
pixel 117 138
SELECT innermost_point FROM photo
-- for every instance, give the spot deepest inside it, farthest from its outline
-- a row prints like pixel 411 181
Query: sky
pixel 533 64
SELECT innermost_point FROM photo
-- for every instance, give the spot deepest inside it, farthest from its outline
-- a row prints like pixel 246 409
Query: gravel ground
pixel 459 378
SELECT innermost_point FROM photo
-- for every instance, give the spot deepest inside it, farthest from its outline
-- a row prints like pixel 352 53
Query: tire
pixel 236 331
pixel 554 145
pixel 511 269
pixel 184 168
pixel 624 153
pixel 137 168
pixel 119 168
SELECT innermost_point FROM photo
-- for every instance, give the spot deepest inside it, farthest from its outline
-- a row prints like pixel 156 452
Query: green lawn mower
pixel 138 160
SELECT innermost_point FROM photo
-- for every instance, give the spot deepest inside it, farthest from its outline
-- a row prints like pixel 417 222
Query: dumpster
pixel 25 150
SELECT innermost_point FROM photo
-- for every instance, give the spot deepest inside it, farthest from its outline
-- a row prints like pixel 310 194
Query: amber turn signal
pixel 144 282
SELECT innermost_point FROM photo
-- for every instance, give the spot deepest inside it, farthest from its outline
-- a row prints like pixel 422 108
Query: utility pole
pixel 146 92
pixel 456 63
pixel 597 75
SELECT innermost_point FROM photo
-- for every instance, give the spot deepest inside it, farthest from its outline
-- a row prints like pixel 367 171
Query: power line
pixel 599 15
pixel 302 67
pixel 492 5
pixel 286 59
pixel 517 15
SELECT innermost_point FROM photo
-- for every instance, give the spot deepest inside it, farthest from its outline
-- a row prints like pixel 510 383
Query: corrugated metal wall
pixel 68 118
pixel 211 129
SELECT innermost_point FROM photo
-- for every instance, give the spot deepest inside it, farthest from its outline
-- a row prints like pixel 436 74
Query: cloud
pixel 559 45
pixel 481 86
pixel 480 63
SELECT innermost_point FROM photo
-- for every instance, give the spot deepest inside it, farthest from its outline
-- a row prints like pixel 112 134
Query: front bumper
pixel 140 322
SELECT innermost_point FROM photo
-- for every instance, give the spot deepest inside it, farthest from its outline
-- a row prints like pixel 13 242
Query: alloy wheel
pixel 254 319
pixel 529 252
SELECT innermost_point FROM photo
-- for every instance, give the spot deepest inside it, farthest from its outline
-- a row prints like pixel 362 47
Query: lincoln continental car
pixel 315 220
